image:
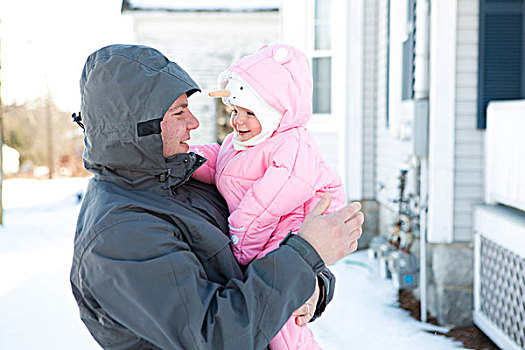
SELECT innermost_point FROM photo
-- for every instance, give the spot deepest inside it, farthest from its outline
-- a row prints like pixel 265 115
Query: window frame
pixel 321 53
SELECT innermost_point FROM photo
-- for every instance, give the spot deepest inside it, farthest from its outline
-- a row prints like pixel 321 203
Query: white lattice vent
pixel 502 293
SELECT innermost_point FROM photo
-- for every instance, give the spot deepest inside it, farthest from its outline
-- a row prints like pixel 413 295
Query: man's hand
pixel 333 236
pixel 307 311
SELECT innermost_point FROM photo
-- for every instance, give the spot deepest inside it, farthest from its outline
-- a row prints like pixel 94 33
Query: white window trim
pixel 442 122
pixel 353 99
pixel 345 119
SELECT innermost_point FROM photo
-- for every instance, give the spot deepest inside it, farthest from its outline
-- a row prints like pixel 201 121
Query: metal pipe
pixel 421 92
pixel 423 240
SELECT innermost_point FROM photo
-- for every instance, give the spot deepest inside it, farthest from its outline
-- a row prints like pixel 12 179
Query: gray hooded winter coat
pixel 152 265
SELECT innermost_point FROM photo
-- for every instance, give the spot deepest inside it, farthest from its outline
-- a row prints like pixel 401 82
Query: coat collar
pixel 179 169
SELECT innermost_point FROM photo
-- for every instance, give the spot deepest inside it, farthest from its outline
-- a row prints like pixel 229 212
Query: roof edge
pixel 128 7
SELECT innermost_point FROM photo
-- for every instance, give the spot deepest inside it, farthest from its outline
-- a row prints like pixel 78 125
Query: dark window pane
pixel 501 73
pixel 322 74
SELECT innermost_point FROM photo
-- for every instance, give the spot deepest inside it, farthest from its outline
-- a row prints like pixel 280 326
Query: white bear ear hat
pixel 235 91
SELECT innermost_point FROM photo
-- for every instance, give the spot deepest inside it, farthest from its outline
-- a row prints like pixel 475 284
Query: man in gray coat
pixel 152 265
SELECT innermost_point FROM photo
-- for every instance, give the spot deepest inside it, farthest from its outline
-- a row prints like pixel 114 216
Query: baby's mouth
pixel 243 132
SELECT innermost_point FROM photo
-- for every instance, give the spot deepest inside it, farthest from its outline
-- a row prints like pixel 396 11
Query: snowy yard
pixel 37 309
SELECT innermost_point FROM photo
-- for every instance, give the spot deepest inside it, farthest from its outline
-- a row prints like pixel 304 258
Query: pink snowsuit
pixel 271 187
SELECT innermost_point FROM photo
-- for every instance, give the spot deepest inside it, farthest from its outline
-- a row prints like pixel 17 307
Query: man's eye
pixel 178 112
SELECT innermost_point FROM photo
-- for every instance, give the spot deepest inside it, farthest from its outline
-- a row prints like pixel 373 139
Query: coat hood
pixel 125 92
pixel 281 76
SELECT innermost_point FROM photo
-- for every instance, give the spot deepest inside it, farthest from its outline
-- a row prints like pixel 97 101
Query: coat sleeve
pixel 287 184
pixel 206 172
pixel 326 282
pixel 155 287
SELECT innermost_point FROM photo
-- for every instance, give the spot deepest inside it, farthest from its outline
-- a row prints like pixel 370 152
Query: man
pixel 152 265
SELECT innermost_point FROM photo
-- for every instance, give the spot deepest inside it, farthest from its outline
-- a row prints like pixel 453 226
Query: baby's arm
pixel 281 190
pixel 206 172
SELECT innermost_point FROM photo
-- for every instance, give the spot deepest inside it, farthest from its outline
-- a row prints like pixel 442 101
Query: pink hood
pixel 281 75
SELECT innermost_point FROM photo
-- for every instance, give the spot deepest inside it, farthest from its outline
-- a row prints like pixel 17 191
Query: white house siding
pixel 468 177
pixel 370 95
pixel 392 151
pixel 379 127
pixel 204 44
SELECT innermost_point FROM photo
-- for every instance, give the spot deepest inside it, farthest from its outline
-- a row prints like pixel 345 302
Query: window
pixel 322 24
pixel 321 58
pixel 322 70
pixel 501 73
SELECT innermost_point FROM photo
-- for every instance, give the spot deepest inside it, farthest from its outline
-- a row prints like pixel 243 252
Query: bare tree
pixel 45 136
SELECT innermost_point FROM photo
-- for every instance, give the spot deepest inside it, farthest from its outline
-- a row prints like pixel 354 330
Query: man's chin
pixel 181 148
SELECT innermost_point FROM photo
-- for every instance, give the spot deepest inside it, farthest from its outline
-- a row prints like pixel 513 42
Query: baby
pixel 269 169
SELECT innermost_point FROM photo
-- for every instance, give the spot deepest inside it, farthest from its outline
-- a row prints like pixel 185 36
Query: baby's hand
pixel 306 312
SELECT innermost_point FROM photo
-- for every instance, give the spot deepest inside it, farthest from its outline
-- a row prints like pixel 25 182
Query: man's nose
pixel 193 123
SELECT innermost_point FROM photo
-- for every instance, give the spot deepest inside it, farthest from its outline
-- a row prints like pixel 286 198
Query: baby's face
pixel 245 123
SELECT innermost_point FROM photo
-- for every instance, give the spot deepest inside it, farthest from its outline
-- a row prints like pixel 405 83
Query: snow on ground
pixel 37 309
pixel 365 313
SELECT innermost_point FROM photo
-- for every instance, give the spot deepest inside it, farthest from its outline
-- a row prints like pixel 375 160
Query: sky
pixel 38 311
pixel 44 45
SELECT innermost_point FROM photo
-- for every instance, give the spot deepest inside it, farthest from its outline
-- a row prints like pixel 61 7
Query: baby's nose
pixel 239 119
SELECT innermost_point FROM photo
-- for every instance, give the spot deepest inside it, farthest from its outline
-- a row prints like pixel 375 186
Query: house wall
pixel 205 44
pixel 456 146
pixel 393 148
pixel 456 149
pixel 456 161
pixel 469 141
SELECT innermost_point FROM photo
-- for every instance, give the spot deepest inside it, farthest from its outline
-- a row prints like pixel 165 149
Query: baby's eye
pixel 251 113
pixel 234 111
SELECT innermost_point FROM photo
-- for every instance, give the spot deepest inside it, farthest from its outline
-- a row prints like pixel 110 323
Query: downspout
pixel 387 93
pixel 421 97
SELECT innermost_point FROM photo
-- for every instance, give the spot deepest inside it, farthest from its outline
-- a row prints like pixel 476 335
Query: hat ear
pixel 280 54
pixel 223 79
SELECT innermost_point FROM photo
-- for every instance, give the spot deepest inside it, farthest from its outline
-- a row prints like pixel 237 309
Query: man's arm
pixel 167 298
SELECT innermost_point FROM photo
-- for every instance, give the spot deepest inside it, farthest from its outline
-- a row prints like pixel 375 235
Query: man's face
pixel 175 127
